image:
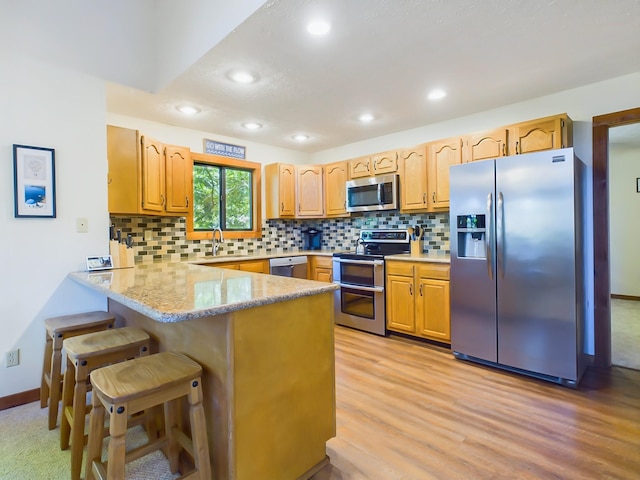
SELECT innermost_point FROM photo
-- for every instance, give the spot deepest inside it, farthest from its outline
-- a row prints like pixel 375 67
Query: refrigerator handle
pixel 488 250
pixel 500 234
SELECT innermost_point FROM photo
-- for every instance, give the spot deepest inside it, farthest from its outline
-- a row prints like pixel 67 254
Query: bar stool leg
pixel 46 371
pixel 96 424
pixel 54 396
pixel 78 417
pixel 117 447
pixel 172 450
pixel 67 399
pixel 199 431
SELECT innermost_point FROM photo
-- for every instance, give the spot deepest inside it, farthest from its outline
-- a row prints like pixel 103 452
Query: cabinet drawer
pixel 399 268
pixel 321 261
pixel 434 270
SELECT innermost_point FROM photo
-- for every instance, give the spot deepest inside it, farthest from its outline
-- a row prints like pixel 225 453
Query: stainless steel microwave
pixel 372 193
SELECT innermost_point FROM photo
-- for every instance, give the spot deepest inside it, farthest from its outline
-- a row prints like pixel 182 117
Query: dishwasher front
pixel 295 267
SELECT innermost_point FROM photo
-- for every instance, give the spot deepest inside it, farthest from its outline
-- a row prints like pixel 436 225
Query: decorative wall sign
pixel 224 149
pixel 34 181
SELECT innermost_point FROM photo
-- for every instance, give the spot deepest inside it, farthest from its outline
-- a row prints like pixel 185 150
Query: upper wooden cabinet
pixel 440 156
pixel 309 191
pixel 485 145
pixel 360 167
pixel 413 179
pixel 378 164
pixel 280 181
pixel 335 192
pixel 542 134
pixel 146 177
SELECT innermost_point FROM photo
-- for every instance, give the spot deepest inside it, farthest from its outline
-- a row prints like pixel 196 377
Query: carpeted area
pixel 29 451
pixel 625 333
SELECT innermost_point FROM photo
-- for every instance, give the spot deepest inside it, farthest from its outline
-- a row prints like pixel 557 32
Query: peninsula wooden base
pixel 269 383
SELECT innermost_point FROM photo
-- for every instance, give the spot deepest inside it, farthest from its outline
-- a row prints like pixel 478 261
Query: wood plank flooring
pixel 408 410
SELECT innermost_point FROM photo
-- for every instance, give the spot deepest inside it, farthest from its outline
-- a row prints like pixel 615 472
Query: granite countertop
pixel 176 291
pixel 429 257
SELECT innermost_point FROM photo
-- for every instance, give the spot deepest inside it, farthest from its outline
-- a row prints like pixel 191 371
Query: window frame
pixel 256 213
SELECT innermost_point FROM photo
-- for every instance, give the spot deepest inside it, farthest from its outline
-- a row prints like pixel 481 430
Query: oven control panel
pixel 385 236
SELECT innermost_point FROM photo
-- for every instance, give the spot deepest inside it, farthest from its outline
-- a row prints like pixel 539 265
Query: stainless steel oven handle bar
pixel 360 287
pixel 359 262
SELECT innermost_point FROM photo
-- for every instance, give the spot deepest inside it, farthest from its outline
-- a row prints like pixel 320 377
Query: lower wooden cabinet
pixel 320 268
pixel 418 299
pixel 257 266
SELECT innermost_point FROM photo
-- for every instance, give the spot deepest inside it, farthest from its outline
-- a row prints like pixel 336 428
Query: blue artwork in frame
pixel 34 181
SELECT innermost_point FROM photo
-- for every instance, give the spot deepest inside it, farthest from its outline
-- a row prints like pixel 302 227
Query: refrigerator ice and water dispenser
pixel 471 236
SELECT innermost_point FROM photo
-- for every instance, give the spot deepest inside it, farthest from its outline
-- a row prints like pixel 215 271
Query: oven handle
pixel 359 262
pixel 360 287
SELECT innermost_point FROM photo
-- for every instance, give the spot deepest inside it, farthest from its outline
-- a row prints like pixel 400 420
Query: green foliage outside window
pixel 222 196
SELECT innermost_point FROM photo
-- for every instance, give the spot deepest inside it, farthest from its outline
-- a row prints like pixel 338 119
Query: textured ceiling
pixel 382 57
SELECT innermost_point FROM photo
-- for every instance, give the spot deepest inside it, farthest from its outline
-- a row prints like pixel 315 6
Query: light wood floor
pixel 408 410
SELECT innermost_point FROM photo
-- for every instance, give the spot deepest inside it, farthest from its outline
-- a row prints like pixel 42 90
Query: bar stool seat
pixel 85 353
pixel 57 330
pixel 130 387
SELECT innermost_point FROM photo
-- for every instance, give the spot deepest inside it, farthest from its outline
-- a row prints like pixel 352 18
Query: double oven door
pixel 360 303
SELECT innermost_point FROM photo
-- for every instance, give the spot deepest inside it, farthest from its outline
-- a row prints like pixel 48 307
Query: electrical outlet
pixel 13 358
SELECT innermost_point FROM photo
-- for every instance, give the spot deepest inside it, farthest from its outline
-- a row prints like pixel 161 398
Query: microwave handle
pixel 380 194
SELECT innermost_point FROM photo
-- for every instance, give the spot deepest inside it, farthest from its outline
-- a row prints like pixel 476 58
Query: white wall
pixel 624 222
pixel 48 107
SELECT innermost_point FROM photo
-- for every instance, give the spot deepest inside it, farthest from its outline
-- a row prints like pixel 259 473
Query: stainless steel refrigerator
pixel 517 255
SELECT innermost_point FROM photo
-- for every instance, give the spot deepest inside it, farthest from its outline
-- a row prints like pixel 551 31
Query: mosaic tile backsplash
pixel 166 236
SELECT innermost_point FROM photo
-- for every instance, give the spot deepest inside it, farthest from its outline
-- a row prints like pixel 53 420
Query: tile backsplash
pixel 166 236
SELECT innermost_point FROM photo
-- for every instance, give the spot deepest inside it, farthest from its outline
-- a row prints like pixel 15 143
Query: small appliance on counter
pixel 312 239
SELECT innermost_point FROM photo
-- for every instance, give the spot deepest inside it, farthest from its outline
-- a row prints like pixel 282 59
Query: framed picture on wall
pixel 34 181
pixel 637 185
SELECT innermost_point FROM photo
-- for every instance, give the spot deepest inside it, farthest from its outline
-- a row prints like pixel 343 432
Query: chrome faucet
pixel 216 243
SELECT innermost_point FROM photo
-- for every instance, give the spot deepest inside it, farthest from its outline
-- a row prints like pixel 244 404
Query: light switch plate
pixel 82 225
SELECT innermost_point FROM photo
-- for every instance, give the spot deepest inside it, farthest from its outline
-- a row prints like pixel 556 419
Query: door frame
pixel 601 273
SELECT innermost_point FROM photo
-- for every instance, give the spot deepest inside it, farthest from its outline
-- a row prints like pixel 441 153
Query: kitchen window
pixel 226 193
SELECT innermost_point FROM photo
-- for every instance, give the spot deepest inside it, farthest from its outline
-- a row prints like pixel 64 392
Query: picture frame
pixel 99 262
pixel 637 185
pixel 34 182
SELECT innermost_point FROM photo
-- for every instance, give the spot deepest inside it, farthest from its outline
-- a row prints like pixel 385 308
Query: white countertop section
pixel 173 292
pixel 423 257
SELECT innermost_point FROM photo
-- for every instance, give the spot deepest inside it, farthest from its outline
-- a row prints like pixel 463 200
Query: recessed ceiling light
pixel 300 138
pixel 318 27
pixel 365 118
pixel 241 76
pixel 251 125
pixel 436 94
pixel 188 109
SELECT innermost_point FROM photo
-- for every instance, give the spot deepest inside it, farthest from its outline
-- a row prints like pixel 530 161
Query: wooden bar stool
pixel 57 329
pixel 130 387
pixel 85 353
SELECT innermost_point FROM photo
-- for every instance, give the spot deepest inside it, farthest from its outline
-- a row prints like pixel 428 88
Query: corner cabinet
pixel 418 299
pixel 335 191
pixel 413 179
pixel 146 177
pixel 309 191
pixel 440 156
pixel 280 182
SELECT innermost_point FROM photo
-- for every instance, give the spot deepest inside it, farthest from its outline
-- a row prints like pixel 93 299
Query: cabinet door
pixel 386 162
pixel 400 304
pixel 442 155
pixel 335 179
pixel 360 167
pixel 323 275
pixel 178 172
pixel 153 181
pixel 543 134
pixel 287 190
pixel 482 146
pixel 123 149
pixel 310 191
pixel 432 310
pixel 413 179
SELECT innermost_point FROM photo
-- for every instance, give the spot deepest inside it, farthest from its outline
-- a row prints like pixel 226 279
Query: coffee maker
pixel 312 239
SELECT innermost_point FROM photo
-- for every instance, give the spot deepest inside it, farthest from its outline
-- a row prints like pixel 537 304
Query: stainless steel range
pixel 360 301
